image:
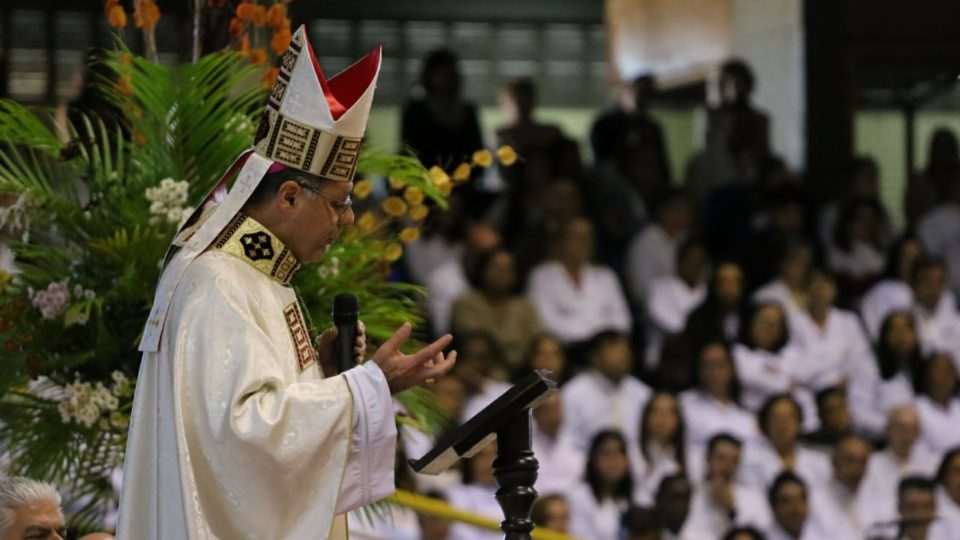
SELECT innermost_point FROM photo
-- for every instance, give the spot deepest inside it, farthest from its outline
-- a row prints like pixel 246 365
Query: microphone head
pixel 344 309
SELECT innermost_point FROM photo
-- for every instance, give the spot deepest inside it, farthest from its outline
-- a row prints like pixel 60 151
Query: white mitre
pixel 310 123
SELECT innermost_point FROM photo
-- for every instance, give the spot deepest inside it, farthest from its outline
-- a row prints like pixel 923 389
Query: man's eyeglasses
pixel 340 206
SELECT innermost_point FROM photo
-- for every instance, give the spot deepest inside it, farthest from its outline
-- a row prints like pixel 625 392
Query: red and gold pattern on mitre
pixel 314 124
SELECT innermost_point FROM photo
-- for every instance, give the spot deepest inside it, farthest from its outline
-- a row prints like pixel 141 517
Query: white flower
pixel 52 301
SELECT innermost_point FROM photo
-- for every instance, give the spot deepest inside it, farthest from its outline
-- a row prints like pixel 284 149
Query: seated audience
pixel 653 252
pixel 939 230
pixel 836 422
pixel 597 503
pixel 845 502
pixel 574 297
pixel 790 507
pixel 720 501
pixel 606 395
pixel 433 527
pixel 671 298
pixel 551 512
pixel 482 368
pixel 719 314
pixel 477 494
pixel 640 523
pixel 938 403
pixel 856 254
pixel 938 323
pixel 561 463
pixel 448 281
pixel 744 533
pixel 892 293
pixel 790 288
pixel 546 353
pixel 660 448
pixel 948 490
pixel 780 419
pixel 917 506
pixel 493 305
pixel 672 505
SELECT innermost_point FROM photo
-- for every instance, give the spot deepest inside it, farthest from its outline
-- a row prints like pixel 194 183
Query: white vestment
pixel 235 433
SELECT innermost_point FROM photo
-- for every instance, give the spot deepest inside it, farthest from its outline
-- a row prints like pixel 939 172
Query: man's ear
pixel 288 193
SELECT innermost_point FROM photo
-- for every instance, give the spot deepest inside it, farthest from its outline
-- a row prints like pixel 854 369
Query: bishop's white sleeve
pixel 370 461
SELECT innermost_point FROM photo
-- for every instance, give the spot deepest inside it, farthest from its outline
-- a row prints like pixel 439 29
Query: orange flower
pixel 146 15
pixel 245 11
pixel 482 158
pixel 281 41
pixel 138 137
pixel 126 59
pixel 462 172
pixel 438 176
pixel 244 47
pixel 108 5
pixel 237 27
pixel 270 77
pixel 259 16
pixel 123 86
pixel 117 17
pixel 393 252
pixel 258 56
pixel 409 234
pixel 277 16
pixel 507 155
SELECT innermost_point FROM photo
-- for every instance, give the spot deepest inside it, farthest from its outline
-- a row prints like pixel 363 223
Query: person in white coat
pixel 938 404
pixel 598 502
pixel 561 463
pixel 844 504
pixel 789 503
pixel 659 450
pixel 672 506
pixel 938 323
pixel 948 490
pixel 671 298
pixel 892 293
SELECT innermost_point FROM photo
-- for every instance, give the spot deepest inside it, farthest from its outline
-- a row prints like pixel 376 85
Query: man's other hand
pixel 408 370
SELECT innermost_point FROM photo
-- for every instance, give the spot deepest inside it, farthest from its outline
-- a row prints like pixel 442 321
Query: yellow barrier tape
pixel 436 507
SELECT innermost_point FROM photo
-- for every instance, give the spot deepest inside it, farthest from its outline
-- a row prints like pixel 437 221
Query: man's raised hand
pixel 408 370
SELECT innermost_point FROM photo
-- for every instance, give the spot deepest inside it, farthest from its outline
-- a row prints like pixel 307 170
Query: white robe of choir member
pixel 761 465
pixel 572 312
pixel 863 260
pixel 939 426
pixel 479 500
pixel 884 472
pixel 848 515
pixel 647 475
pixel 939 231
pixel 445 284
pixel 812 530
pixel 832 352
pixel 750 509
pixel 592 402
pixel 870 398
pixel 881 300
pixel 689 532
pixel 669 301
pixel 592 519
pixel 706 416
pixel 424 255
pixel 940 330
pixel 562 465
pixel 948 510
pixel 650 255
pixel 763 374
pixel 777 291
pixel 231 437
pixel 492 389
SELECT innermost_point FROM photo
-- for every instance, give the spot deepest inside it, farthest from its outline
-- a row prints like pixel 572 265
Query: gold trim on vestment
pixel 250 241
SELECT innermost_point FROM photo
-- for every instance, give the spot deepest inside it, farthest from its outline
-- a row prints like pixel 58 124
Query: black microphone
pixel 345 319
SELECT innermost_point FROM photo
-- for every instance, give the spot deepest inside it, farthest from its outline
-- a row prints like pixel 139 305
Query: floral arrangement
pixel 96 205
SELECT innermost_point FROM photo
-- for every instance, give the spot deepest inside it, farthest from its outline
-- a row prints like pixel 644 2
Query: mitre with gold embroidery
pixel 310 123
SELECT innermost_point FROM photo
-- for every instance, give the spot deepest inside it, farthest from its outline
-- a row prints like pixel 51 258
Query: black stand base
pixel 516 471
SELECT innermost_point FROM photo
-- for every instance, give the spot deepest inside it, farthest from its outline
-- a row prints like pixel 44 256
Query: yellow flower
pixel 396 183
pixel 418 212
pixel 394 206
pixel 393 252
pixel 446 189
pixel 438 176
pixel 409 234
pixel 413 195
pixel 362 189
pixel 483 158
pixel 367 222
pixel 462 172
pixel 507 155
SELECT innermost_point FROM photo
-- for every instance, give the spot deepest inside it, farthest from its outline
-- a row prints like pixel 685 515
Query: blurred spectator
pixel 938 404
pixel 791 510
pixel 893 291
pixel 712 406
pixel 439 126
pixel 432 527
pixel 606 395
pixel 31 510
pixel 720 501
pixel 943 169
pixel 546 353
pixel 845 502
pixel 877 389
pixel 672 297
pixel 653 253
pixel 660 448
pixel 551 512
pixel 790 287
pixel 719 314
pixel 574 297
pixel 673 509
pixel 560 202
pixel 597 503
pixel 856 253
pixel 938 323
pixel 441 241
pixel 494 305
pixel 948 490
pixel 917 506
pixel 448 281
pixel 744 533
pixel 477 494
pixel 561 463
pixel 481 365
pixel 863 184
pixel 776 230
pixel 780 419
pixel 547 154
pixel 939 230
pixel 450 392
pixel 836 422
pixel 640 523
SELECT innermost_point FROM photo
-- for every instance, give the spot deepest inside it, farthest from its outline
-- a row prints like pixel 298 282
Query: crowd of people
pixel 737 356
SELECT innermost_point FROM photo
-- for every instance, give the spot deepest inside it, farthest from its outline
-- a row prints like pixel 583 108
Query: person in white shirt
pixel 483 369
pixel 712 405
pixel 844 503
pixel 791 510
pixel 939 229
pixel 780 419
pixel 836 422
pixel 938 323
pixel 948 490
pixel 904 456
pixel 938 403
pixel 552 512
pixel 672 297
pixel 659 450
pixel 546 353
pixel 673 510
pixel 874 390
pixel 574 297
pixel 857 251
pixel 640 523
pixel 719 313
pixel 653 252
pixel 598 502
pixel 561 464
pixel 720 501
pixel 893 292
pixel 448 281
pixel 917 508
pixel 477 494
pixel 606 395
pixel 790 288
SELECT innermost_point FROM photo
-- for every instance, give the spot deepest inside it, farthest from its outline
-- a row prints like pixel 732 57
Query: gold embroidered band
pixel 247 239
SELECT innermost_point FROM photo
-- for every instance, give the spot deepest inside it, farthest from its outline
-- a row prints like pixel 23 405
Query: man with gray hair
pixel 30 509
